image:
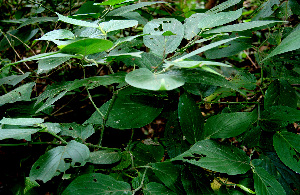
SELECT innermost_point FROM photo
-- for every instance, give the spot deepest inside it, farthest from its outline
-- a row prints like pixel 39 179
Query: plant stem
pixel 216 102
pixel 142 182
pixel 53 134
pixel 31 143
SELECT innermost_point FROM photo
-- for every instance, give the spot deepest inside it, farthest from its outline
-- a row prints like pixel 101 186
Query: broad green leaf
pixel 87 46
pixel 204 48
pixel 13 79
pixel 214 156
pixel 50 63
pixel 222 6
pixel 227 125
pixel 252 136
pixel 219 19
pixel 104 157
pixel 266 184
pixel 21 93
pixel 76 22
pixel 128 110
pixel 196 64
pixel 59 159
pixel 144 153
pixel 117 25
pixel 280 93
pixel 97 183
pixel 77 131
pixel 242 26
pixel 156 41
pixel 125 9
pixel 169 174
pixel 278 117
pixel 38 20
pixel 154 188
pixel 287 148
pixel 290 43
pixel 52 127
pixel 17 133
pixel 144 79
pixel 124 162
pixel 22 121
pixel 190 118
pixel 57 34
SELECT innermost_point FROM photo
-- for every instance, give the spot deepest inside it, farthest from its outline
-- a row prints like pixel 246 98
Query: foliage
pixel 125 97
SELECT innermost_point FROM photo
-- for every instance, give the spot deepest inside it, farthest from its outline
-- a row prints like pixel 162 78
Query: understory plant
pixel 159 103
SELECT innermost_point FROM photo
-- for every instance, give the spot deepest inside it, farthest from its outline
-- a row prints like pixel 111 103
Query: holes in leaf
pixel 195 157
pixel 95 180
pixel 38 167
pixel 77 164
pixel 71 128
pixel 67 160
pixel 159 28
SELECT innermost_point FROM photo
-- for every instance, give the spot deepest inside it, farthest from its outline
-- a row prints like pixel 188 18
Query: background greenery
pixel 128 97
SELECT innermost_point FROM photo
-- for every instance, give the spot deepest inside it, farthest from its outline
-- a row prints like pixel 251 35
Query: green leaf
pixel 154 188
pixel 117 25
pixel 280 93
pixel 169 174
pixel 214 156
pixel 52 127
pixel 22 121
pixel 190 29
pixel 14 79
pixel 38 20
pixel 17 133
pixel 266 9
pixel 289 43
pixel 222 6
pixel 196 64
pixel 59 159
pixel 204 48
pixel 97 183
pixel 144 79
pixel 148 60
pixel 87 46
pixel 227 125
pixel 104 157
pixel 125 9
pixel 145 153
pixel 57 34
pixel 21 93
pixel 76 22
pixel 242 26
pixel 287 148
pixel 50 63
pixel 124 162
pixel 128 110
pixel 219 19
pixel 265 184
pixel 112 2
pixel 77 131
pixel 190 118
pixel 156 41
pixel 278 117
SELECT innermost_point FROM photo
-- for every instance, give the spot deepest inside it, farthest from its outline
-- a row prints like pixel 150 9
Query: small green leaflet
pixel 212 155
pixel 87 46
pixel 154 188
pixel 97 183
pixel 266 184
pixel 219 19
pixel 104 157
pixel 22 121
pixel 242 26
pixel 13 79
pixel 287 148
pixel 117 25
pixel 17 133
pixel 145 79
pixel 76 22
pixel 59 159
pixel 57 34
pixel 112 2
pixel 21 93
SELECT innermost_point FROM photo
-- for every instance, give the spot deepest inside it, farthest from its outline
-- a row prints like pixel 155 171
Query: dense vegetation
pixel 126 97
